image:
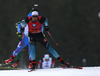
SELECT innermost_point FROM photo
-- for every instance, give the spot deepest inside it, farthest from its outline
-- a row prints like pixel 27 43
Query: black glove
pixel 46 28
pixel 20 36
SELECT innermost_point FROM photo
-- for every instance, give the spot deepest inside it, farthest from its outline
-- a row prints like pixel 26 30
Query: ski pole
pixel 52 38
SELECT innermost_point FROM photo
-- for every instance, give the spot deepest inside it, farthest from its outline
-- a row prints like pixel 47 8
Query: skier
pixel 23 42
pixel 46 63
pixel 35 34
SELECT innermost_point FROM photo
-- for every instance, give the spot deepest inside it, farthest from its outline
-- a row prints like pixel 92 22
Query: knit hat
pixel 35 13
pixel 46 56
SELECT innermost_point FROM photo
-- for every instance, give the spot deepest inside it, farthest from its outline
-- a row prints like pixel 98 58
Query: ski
pixel 78 67
pixel 9 64
pixel 3 64
pixel 9 68
pixel 73 67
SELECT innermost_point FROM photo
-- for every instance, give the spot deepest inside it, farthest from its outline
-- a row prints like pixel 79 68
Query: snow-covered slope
pixel 86 71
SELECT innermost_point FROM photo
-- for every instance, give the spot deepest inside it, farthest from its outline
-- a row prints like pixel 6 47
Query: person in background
pixel 46 63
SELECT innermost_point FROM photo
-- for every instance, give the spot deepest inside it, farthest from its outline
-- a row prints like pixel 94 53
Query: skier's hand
pixel 46 28
pixel 20 36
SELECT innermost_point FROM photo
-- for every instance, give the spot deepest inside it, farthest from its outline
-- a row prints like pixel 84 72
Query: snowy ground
pixel 86 71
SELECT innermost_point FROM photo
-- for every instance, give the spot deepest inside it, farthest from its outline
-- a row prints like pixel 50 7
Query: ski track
pixel 86 71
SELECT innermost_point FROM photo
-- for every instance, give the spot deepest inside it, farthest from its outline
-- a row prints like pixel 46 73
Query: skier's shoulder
pixel 50 59
pixel 41 19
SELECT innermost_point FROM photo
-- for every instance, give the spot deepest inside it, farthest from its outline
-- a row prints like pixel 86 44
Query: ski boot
pixel 66 64
pixel 8 60
pixel 15 65
pixel 32 66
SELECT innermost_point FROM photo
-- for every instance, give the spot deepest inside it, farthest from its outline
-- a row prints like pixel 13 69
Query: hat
pixel 46 56
pixel 35 13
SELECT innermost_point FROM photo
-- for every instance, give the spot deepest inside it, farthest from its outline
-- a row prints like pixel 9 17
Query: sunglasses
pixel 35 16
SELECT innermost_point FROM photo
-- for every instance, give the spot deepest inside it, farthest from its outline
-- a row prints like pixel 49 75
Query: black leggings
pixel 38 37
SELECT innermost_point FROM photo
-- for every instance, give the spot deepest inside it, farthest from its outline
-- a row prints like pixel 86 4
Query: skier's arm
pixel 20 31
pixel 19 28
pixel 53 63
pixel 25 22
pixel 46 22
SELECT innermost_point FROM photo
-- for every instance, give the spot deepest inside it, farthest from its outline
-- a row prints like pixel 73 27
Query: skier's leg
pixel 32 55
pixel 52 51
pixel 56 55
pixel 43 40
pixel 18 59
pixel 20 46
pixel 46 44
pixel 20 53
pixel 32 51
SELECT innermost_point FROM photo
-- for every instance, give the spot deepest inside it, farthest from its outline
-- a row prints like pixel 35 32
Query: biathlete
pixel 23 42
pixel 35 23
pixel 46 63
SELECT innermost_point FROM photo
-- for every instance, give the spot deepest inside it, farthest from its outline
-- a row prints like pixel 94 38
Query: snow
pixel 86 71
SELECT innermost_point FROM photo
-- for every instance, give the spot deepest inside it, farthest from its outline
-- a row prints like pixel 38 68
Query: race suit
pixel 35 34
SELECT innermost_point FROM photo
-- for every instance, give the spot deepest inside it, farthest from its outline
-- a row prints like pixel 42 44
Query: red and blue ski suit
pixel 24 42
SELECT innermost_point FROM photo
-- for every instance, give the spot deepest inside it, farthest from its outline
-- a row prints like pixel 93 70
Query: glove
pixel 20 36
pixel 46 28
